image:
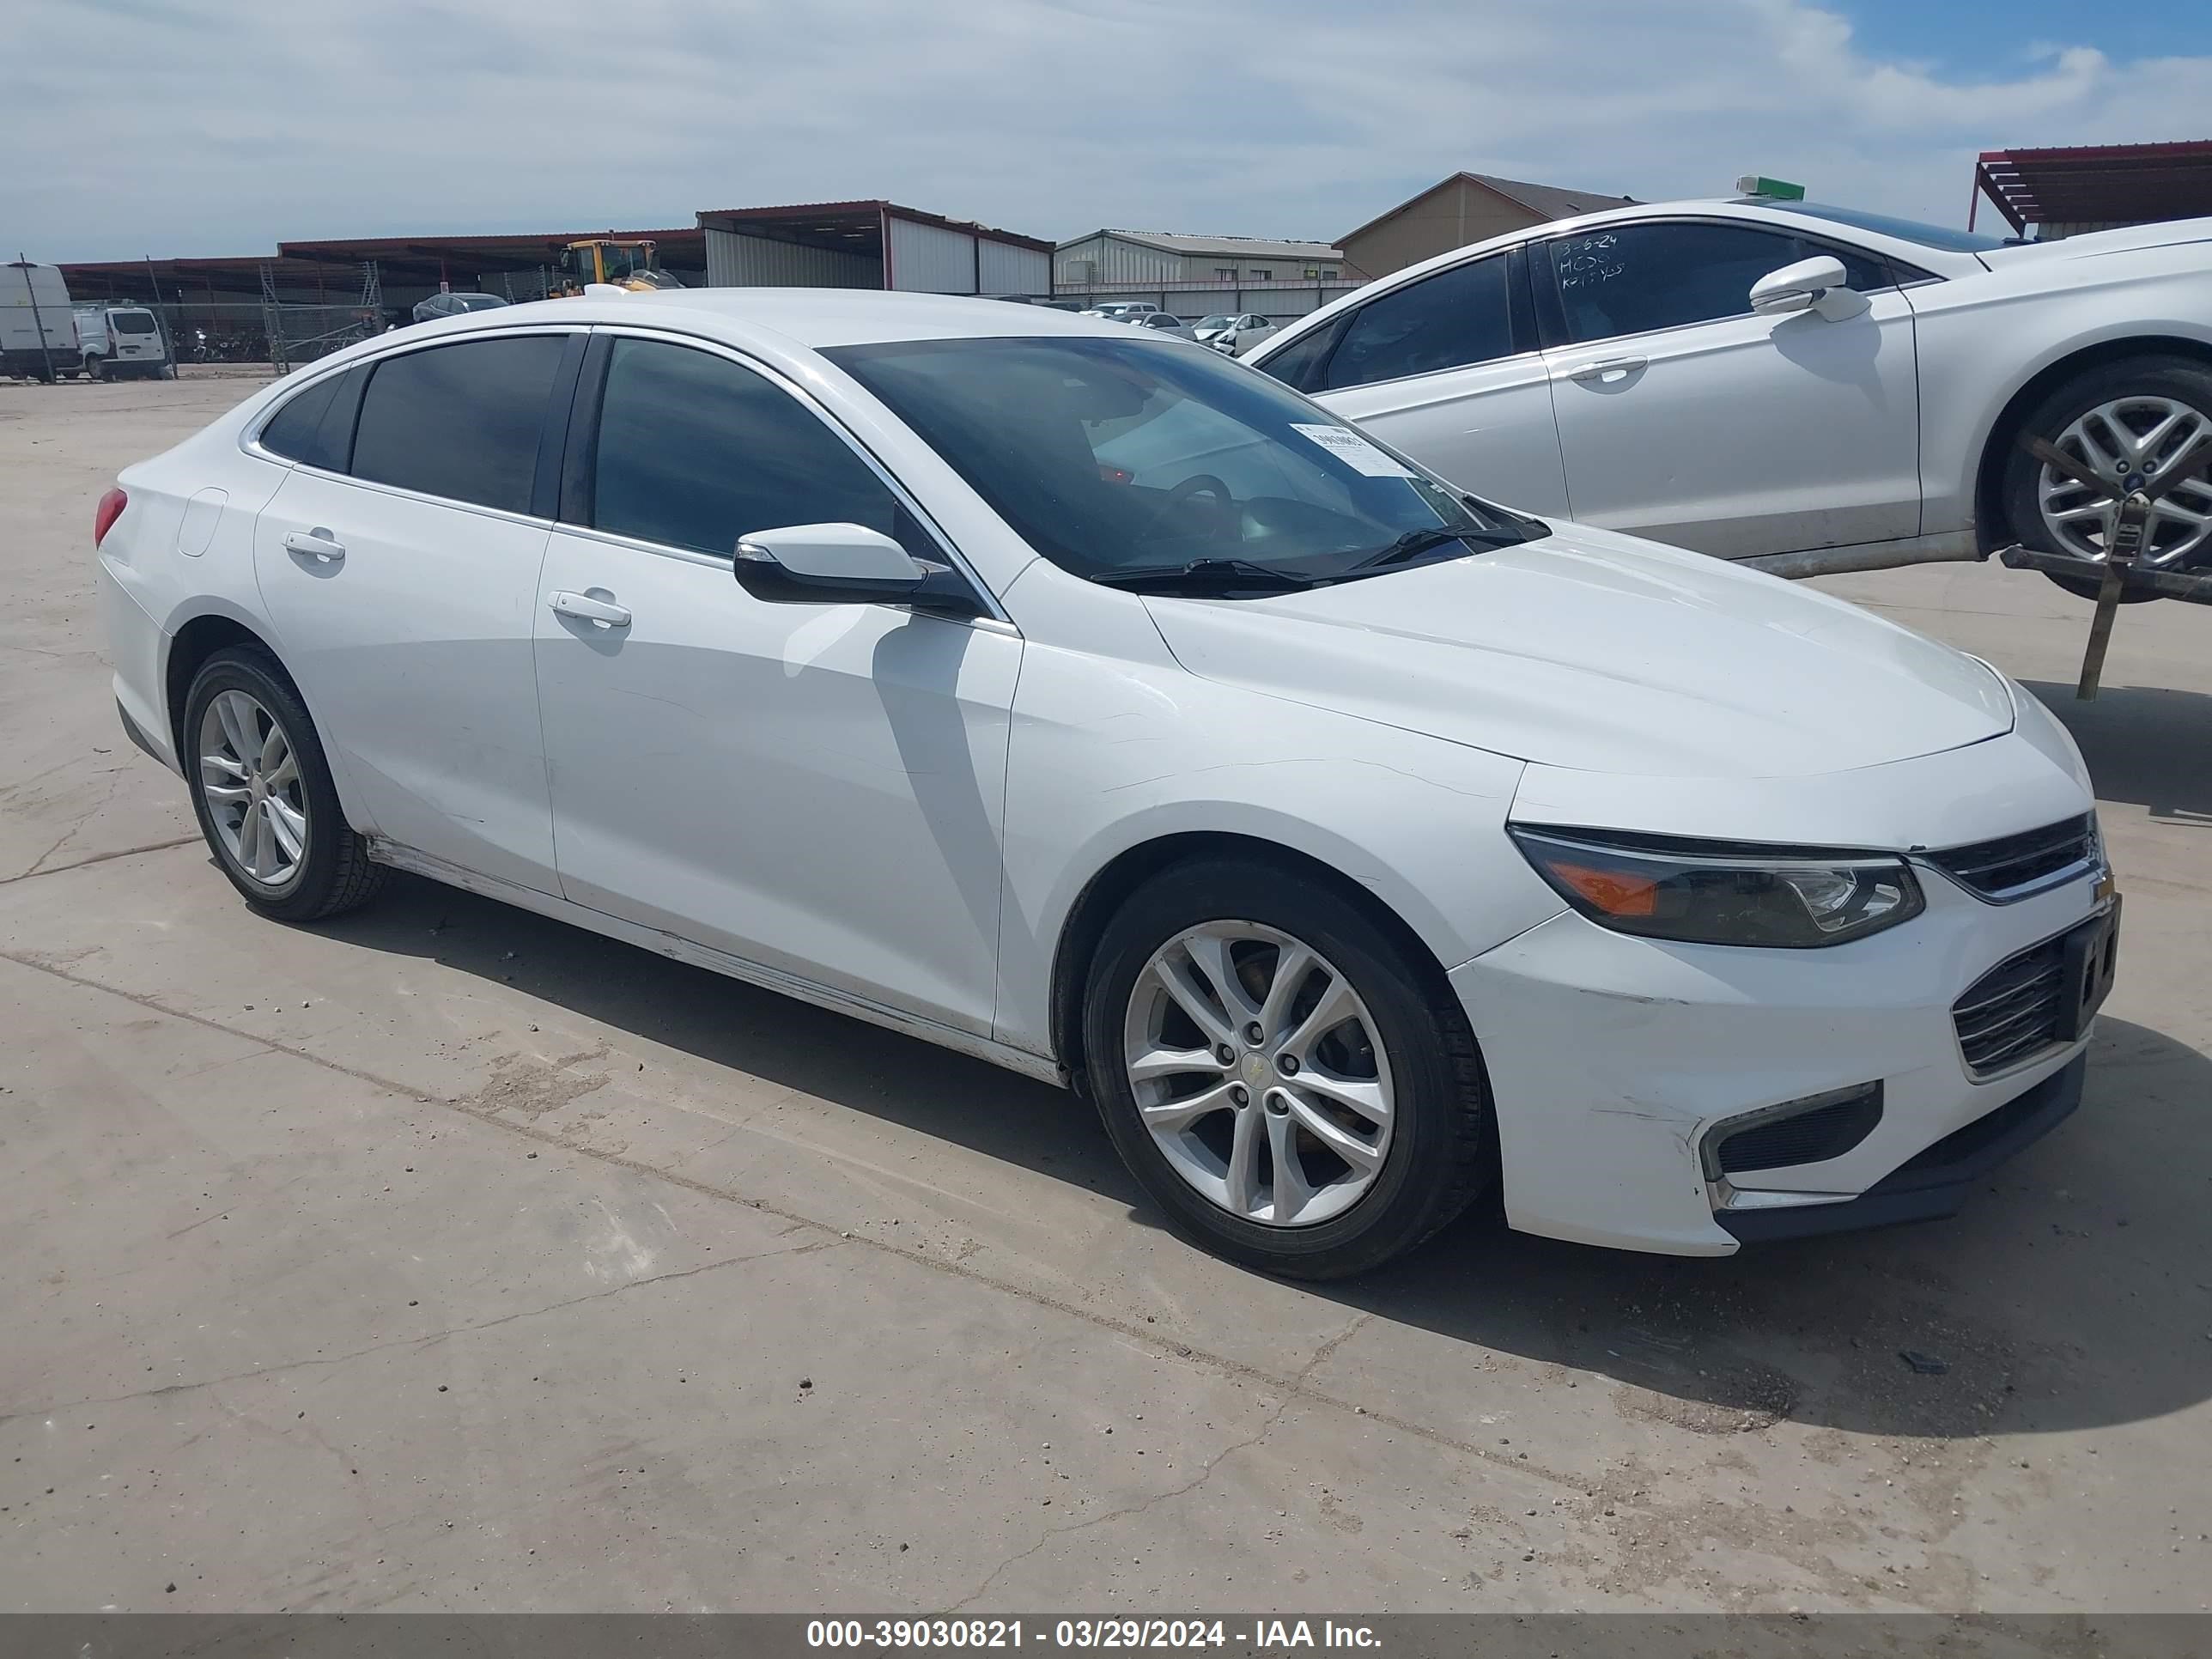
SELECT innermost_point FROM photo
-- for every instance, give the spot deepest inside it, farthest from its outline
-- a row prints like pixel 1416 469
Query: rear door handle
pixel 316 543
pixel 585 608
pixel 1605 366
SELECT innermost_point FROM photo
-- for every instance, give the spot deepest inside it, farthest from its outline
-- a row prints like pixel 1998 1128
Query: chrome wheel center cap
pixel 1258 1073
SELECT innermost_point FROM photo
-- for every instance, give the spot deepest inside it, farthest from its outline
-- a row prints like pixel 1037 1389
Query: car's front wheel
pixel 2130 423
pixel 1294 1085
pixel 263 792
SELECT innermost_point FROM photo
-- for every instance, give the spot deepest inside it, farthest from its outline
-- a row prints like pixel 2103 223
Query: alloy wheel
pixel 2131 441
pixel 256 797
pixel 1259 1073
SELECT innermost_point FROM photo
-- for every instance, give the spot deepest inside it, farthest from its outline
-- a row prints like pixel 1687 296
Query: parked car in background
pixel 1756 377
pixel 38 328
pixel 1163 322
pixel 1121 311
pixel 452 305
pixel 1232 336
pixel 120 342
pixel 1082 702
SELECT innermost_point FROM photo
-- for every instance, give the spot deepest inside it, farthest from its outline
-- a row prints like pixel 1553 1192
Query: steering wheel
pixel 1199 483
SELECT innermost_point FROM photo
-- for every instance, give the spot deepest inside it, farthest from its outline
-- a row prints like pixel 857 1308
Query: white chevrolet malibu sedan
pixel 1102 709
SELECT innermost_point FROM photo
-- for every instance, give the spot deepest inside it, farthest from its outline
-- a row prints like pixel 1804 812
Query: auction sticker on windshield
pixel 1354 450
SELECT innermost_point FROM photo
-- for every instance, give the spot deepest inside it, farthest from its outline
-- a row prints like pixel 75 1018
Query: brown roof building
pixel 1467 207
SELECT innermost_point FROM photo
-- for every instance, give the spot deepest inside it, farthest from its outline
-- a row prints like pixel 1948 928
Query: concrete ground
pixel 445 1257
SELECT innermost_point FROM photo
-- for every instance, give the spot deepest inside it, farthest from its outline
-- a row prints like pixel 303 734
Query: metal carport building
pixel 870 245
pixel 2063 192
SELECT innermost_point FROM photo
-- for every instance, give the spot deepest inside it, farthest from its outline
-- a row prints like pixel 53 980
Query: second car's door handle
pixel 318 544
pixel 585 608
pixel 1605 366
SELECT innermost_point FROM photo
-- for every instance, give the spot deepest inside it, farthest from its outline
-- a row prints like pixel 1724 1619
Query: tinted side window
pixel 307 427
pixel 694 451
pixel 1636 277
pixel 1448 320
pixel 459 420
pixel 1295 364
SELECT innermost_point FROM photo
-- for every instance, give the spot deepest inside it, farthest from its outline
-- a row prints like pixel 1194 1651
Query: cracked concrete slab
pixel 445 1256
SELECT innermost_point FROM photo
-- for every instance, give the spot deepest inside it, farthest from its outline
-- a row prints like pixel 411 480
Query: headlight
pixel 1722 892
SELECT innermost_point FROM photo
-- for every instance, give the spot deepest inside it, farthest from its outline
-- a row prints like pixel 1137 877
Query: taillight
pixel 104 515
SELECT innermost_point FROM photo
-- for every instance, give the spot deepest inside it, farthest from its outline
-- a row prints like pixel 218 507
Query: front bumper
pixel 1613 1059
pixel 1934 1182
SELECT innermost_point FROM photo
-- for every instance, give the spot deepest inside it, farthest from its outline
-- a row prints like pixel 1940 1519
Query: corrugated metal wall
pixel 929 258
pixel 1011 270
pixel 1108 259
pixel 736 261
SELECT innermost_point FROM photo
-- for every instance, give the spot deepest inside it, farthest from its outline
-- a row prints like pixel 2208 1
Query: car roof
pixel 808 317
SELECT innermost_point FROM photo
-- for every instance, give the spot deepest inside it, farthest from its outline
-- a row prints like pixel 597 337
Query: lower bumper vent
pixel 1809 1131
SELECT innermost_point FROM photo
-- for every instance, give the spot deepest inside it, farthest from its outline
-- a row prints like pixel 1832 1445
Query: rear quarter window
pixel 315 426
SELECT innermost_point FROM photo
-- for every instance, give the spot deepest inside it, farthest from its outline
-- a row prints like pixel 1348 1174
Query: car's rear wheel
pixel 2130 422
pixel 263 792
pixel 1297 1089
pixel 92 368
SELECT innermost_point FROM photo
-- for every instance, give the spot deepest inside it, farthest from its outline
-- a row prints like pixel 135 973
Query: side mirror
pixel 1816 284
pixel 845 564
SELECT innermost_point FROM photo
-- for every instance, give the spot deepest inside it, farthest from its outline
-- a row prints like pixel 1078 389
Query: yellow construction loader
pixel 603 259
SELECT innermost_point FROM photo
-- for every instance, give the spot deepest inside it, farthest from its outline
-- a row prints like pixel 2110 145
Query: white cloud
pixel 219 126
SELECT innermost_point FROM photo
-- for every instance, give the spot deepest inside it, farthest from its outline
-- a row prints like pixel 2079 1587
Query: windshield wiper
pixel 1415 543
pixel 1216 575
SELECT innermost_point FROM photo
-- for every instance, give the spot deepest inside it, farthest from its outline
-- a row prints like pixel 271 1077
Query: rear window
pixel 460 421
pixel 132 322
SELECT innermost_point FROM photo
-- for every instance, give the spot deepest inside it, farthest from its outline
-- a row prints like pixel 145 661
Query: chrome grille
pixel 2013 866
pixel 2013 1010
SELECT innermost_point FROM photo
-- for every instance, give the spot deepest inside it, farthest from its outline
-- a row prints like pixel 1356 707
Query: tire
pixel 93 370
pixel 316 868
pixel 1435 1155
pixel 2178 380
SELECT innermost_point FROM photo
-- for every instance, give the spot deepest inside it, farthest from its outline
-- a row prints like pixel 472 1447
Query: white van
pixel 121 343
pixel 38 334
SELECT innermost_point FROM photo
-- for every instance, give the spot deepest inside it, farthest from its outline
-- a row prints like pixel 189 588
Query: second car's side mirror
pixel 1816 284
pixel 844 564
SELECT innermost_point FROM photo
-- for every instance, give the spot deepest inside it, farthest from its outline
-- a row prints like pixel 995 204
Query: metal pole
pixel 37 322
pixel 168 324
pixel 2120 550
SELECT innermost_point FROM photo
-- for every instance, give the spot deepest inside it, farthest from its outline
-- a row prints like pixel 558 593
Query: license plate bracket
pixel 2092 954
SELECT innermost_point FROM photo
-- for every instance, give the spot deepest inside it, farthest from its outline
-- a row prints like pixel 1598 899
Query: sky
pixel 196 127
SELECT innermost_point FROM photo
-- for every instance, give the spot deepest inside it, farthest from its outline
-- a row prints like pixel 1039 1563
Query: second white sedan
pixel 1759 378
pixel 1094 706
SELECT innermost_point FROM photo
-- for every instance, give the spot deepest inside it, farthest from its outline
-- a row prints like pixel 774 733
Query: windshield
pixel 1217 322
pixel 1114 456
pixel 1906 230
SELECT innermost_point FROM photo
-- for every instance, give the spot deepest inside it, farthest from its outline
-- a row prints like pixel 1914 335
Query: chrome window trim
pixel 774 376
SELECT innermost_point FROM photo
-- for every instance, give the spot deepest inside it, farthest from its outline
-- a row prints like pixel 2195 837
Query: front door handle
pixel 1606 366
pixel 316 543
pixel 582 606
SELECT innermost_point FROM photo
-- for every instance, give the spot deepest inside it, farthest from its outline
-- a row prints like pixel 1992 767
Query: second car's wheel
pixel 1295 1087
pixel 2130 422
pixel 92 368
pixel 262 790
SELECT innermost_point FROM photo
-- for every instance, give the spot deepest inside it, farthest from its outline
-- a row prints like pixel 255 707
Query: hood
pixel 2126 240
pixel 1597 652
